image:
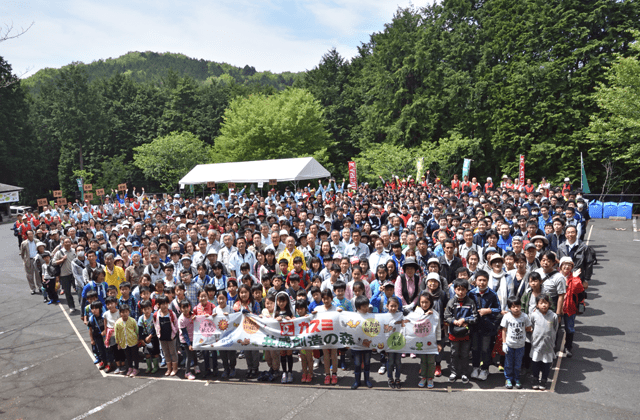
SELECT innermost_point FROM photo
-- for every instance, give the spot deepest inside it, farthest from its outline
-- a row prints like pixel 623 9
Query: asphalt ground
pixel 47 372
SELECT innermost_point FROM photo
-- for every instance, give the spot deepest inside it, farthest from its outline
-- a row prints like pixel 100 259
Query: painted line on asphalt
pixel 15 372
pixel 86 347
pixel 113 401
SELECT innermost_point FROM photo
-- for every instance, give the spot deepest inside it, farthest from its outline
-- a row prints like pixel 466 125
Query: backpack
pixel 53 270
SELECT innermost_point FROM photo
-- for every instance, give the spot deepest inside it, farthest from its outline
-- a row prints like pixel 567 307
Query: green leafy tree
pixel 286 125
pixel 384 160
pixel 167 159
pixel 615 133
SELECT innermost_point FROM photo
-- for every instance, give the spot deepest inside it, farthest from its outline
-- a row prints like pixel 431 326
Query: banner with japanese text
pixel 398 334
pixel 466 167
pixel 521 177
pixel 419 168
pixel 353 175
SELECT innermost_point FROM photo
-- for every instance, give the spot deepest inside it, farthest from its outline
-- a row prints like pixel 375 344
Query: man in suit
pixel 28 252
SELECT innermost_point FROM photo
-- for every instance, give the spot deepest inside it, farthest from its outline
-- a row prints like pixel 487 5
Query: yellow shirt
pixel 290 256
pixel 126 333
pixel 114 278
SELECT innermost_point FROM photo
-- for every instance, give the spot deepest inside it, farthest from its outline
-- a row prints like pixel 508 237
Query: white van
pixel 16 210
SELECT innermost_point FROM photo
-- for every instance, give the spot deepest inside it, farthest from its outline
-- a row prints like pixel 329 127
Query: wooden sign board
pixel 273 182
pixel 100 192
pixel 42 202
pixel 88 196
pixel 88 187
pixel 122 187
pixel 57 194
pixel 62 201
pixel 211 184
pixel 232 186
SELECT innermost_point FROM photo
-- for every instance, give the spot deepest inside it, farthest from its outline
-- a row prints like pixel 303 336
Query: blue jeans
pixel 569 323
pixel 513 363
pixel 394 360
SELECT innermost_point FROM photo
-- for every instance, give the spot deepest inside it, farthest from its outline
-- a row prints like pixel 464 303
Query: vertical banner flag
pixel 521 178
pixel 419 164
pixel 81 188
pixel 353 176
pixel 466 167
pixel 584 182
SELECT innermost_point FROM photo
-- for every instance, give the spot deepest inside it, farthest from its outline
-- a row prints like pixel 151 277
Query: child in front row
pixel 460 314
pixel 428 361
pixel 545 326
pixel 185 323
pixel 361 357
pixel 283 312
pixel 306 355
pixel 110 317
pixel 126 332
pixel 96 327
pixel 394 360
pixel 341 302
pixel 147 336
pixel 330 355
pixel 228 357
pixel 166 324
pixel 514 325
pixel 272 357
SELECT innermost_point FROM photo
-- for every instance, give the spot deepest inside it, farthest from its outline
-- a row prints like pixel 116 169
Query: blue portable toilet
pixel 610 210
pixel 625 210
pixel 595 209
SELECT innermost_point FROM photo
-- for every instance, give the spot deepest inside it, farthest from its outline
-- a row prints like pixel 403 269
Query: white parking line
pixel 113 401
pixel 86 347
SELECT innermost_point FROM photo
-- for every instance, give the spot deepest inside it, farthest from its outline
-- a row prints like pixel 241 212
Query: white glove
pixel 505 348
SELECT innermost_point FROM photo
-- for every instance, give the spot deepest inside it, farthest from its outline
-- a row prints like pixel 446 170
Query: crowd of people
pixel 503 267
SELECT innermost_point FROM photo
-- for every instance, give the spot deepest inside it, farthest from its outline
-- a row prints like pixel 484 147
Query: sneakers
pixel 290 378
pixel 438 372
pixel 284 378
pixel 100 365
pixel 508 384
pixel 413 355
pixel 422 382
pixel 225 374
pixel 190 376
pixel 232 374
pixel 567 353
pixel 430 383
pixel 475 373
pixel 518 385
pixel 465 380
pixel 500 368
pixel 398 384
pixel 382 370
pixel 117 371
pixel 453 377
pixel 536 384
pixel 355 385
pixel 128 372
pixel 334 379
pixel 241 356
pixel 483 375
pixel 327 380
pixel 316 363
pixel 197 370
pixel 134 373
pixel 542 386
pixel 96 361
pixel 392 384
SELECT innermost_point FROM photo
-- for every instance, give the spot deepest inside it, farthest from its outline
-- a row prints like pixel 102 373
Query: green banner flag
pixel 585 183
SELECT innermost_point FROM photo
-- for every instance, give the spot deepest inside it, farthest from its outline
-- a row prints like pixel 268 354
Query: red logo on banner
pixel 353 175
pixel 287 328
pixel 521 180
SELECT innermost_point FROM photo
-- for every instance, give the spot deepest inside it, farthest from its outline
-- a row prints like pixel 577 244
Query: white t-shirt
pixel 516 334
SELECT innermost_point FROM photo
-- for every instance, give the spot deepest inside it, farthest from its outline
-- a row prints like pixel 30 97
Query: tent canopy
pixel 295 169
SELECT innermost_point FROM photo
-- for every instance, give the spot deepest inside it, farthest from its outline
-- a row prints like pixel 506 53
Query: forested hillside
pixel 481 79
pixel 154 67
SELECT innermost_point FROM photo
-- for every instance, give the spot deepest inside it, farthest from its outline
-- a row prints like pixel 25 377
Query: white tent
pixel 296 169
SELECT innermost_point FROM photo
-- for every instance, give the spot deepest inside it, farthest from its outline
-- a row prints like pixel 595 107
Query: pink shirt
pixel 411 287
pixel 187 323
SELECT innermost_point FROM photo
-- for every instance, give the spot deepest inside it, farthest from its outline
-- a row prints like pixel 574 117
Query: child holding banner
pixel 330 355
pixel 428 361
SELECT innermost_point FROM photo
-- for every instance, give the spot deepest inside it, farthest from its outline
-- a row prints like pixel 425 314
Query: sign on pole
pixel 100 192
pixel 521 179
pixel 42 202
pixel 211 184
pixel 57 194
pixel 62 201
pixel 273 182
pixel 122 187
pixel 88 196
pixel 466 167
pixel 353 176
pixel 87 187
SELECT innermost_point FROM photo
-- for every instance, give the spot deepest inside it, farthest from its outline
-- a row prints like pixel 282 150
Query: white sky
pixel 275 35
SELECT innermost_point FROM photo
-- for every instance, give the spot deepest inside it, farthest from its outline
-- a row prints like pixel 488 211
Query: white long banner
pixel 409 334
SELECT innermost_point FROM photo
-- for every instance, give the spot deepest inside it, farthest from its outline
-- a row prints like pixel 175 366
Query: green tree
pixel 286 125
pixel 384 160
pixel 615 132
pixel 167 159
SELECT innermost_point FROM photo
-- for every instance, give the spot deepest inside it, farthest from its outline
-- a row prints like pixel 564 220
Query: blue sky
pixel 275 35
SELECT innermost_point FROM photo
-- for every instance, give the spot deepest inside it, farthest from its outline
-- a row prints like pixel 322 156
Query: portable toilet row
pixel 600 210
